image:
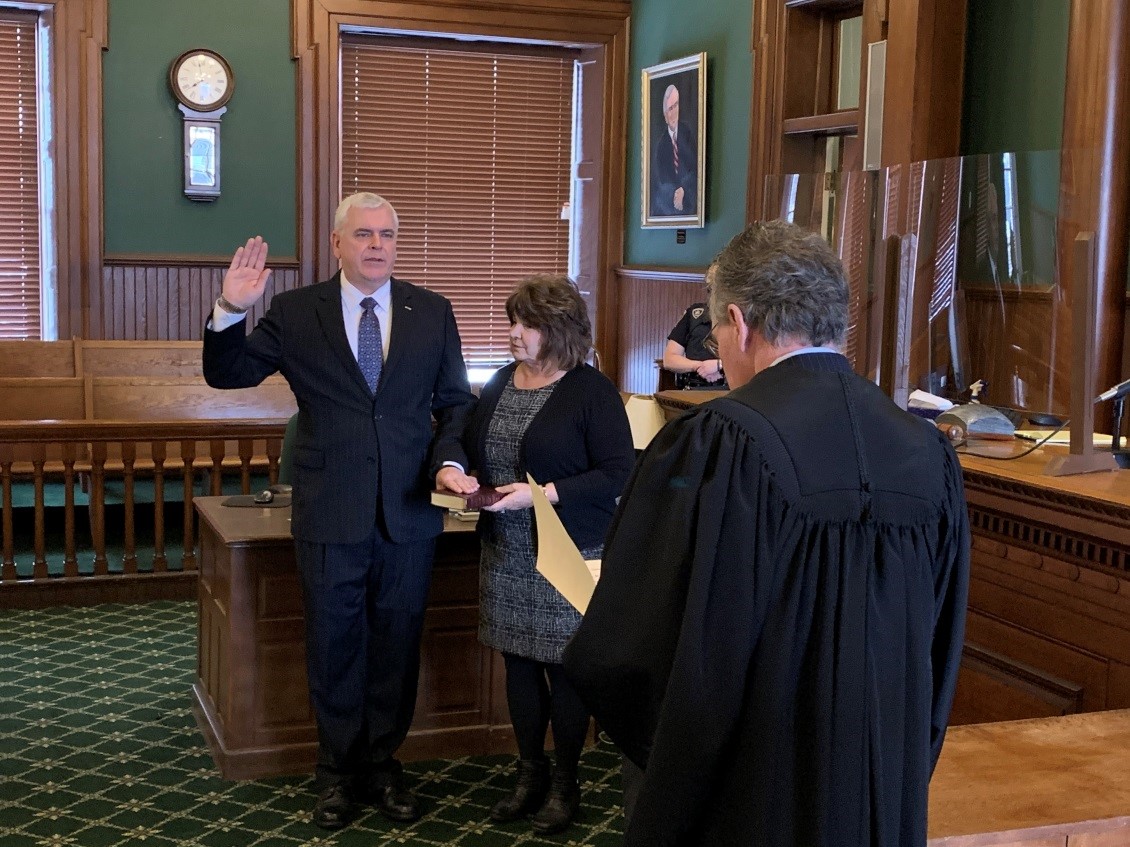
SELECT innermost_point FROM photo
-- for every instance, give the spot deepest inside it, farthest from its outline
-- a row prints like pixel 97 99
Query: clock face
pixel 201 80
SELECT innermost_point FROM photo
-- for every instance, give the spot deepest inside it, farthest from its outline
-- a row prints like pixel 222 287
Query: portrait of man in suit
pixel 673 129
pixel 371 360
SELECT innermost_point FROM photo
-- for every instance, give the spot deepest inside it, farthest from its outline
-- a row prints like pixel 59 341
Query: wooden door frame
pixel 588 24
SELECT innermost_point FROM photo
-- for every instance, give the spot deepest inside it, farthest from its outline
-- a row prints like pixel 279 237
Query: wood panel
pixel 140 358
pixel 81 33
pixel 651 301
pixel 1094 182
pixel 994 687
pixel 185 398
pixel 41 398
pixel 37 358
pixel 925 72
pixel 1011 340
pixel 1119 837
pixel 1034 782
pixel 1049 591
pixel 163 300
pixel 251 698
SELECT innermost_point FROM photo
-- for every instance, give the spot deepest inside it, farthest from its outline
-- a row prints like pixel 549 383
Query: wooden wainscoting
pixel 1049 595
pixel 651 302
pixel 168 298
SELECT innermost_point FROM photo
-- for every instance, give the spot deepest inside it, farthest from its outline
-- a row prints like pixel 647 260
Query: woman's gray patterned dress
pixel 519 611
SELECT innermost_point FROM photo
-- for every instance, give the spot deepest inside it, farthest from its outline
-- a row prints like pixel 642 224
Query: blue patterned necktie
pixel 370 355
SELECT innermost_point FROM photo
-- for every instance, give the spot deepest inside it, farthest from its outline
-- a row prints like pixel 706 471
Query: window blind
pixel 474 149
pixel 19 177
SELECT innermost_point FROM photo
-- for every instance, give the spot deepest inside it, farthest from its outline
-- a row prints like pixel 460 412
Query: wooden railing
pixel 92 452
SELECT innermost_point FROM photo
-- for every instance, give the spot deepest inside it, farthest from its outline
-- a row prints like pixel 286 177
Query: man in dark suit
pixel 370 360
pixel 674 163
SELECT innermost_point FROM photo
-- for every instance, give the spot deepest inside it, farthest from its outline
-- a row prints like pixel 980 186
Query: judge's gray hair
pixel 363 200
pixel 788 283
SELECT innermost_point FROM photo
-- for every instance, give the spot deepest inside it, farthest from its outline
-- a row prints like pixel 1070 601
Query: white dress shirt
pixel 351 298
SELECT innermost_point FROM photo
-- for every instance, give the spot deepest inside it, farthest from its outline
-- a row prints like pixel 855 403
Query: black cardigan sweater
pixel 579 440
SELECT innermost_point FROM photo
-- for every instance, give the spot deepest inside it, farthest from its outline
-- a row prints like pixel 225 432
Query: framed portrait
pixel 673 134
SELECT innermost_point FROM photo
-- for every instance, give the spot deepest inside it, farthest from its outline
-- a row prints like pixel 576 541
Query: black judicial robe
pixel 776 632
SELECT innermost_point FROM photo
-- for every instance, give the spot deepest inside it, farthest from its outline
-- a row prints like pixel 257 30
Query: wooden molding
pixel 991 293
pixel 925 79
pixel 183 260
pixel 590 25
pixel 1094 187
pixel 79 35
pixel 845 122
pixel 1065 696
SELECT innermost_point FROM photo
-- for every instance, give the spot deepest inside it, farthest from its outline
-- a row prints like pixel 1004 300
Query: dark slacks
pixel 364 606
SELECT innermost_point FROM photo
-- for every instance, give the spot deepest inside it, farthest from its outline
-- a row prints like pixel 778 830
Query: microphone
pixel 1120 390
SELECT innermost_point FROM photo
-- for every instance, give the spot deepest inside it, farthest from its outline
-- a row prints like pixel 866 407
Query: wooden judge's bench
pixel 1048 631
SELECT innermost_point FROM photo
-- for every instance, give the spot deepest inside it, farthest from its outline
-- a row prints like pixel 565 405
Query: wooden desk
pixel 1048 782
pixel 250 697
pixel 1048 631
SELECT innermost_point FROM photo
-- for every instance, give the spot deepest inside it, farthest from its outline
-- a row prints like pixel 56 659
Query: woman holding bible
pixel 563 422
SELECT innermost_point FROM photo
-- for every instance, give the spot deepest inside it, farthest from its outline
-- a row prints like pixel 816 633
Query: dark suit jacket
pixel 356 453
pixel 664 178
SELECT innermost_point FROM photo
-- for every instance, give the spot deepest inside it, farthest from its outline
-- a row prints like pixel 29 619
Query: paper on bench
pixel 645 418
pixel 559 560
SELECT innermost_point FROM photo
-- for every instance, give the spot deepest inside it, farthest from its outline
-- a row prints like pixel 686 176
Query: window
pixel 27 268
pixel 474 148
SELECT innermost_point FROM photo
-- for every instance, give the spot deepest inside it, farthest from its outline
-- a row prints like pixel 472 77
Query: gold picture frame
pixel 673 144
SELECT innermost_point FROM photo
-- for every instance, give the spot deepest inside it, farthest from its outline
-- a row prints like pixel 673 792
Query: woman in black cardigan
pixel 552 416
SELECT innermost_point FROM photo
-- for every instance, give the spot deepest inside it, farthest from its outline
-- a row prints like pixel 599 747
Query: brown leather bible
pixel 485 496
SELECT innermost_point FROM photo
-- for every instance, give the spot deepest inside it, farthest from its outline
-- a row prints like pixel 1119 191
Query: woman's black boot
pixel 528 794
pixel 561 803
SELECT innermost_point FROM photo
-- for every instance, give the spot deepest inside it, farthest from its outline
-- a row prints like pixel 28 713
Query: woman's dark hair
pixel 552 305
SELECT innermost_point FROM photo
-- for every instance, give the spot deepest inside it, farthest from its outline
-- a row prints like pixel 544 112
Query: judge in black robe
pixel 776 633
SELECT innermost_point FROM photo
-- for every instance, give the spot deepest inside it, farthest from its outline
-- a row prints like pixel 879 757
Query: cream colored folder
pixel 559 560
pixel 645 417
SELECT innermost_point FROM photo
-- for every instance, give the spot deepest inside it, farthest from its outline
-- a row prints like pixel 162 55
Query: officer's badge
pixel 697 313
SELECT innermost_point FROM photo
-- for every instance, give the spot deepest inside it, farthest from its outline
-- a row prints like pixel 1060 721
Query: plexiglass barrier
pixel 953 271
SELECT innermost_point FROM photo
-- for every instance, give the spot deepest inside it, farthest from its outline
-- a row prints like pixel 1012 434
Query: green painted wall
pixel 1015 67
pixel 669 29
pixel 144 205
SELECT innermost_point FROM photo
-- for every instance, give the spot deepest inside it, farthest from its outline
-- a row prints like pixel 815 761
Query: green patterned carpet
pixel 98 746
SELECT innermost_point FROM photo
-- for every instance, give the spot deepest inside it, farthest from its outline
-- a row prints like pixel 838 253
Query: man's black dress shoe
pixel 391 797
pixel 334 808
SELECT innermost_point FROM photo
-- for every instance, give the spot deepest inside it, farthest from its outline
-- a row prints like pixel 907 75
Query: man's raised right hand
pixel 247 275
